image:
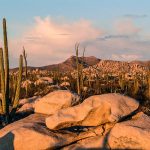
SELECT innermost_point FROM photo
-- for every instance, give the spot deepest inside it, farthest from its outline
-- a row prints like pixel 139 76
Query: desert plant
pixel 122 81
pixel 78 68
pixel 25 62
pixel 8 104
pixel 26 70
pixel 147 92
pixel 135 87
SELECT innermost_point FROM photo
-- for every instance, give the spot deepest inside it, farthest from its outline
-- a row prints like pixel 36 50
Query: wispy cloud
pixel 107 37
pixel 127 27
pixel 135 16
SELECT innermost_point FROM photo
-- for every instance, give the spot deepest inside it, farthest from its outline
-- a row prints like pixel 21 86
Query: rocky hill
pixel 121 66
pixel 70 63
pixel 103 65
pixel 67 65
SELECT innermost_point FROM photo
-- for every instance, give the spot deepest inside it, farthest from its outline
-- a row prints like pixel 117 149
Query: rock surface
pixel 56 100
pixel 27 104
pixel 91 125
pixel 94 111
pixel 133 134
pixel 31 133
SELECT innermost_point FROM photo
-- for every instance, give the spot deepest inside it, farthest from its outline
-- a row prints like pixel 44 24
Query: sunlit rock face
pixel 107 121
pixel 131 134
pixel 94 111
pixel 56 100
pixel 27 104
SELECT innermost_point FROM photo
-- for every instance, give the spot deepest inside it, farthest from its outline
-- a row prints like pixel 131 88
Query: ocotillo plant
pixel 7 101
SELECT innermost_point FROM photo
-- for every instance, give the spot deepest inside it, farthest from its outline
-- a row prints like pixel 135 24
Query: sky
pixel 49 29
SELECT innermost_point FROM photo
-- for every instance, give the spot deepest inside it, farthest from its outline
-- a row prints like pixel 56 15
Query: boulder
pixel 94 111
pixel 55 101
pixel 31 133
pixel 27 104
pixel 133 134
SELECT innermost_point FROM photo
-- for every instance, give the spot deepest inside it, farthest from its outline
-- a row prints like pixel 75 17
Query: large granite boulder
pixel 94 111
pixel 131 134
pixel 56 100
pixel 31 133
pixel 27 104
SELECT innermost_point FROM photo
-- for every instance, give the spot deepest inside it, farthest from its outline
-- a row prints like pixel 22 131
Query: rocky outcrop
pixel 94 111
pixel 55 101
pixel 133 134
pixel 100 122
pixel 27 104
pixel 31 133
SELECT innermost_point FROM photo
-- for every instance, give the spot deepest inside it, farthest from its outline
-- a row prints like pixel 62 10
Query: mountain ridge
pixel 70 64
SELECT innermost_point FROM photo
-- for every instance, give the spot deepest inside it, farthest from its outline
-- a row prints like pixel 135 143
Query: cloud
pixel 127 27
pixel 48 41
pixel 108 37
pixel 135 16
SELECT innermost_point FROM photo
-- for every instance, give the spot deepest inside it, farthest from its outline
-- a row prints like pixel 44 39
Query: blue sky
pixel 116 21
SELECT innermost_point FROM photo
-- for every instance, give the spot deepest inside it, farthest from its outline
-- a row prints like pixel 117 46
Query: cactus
pixel 17 92
pixel 26 69
pixel 25 61
pixel 149 87
pixel 147 92
pixel 6 64
pixel 80 82
pixel 2 82
pixel 7 111
pixel 78 71
pixel 122 82
pixel 135 87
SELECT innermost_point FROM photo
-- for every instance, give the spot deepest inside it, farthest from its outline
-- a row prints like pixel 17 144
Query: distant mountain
pixel 70 63
pixel 104 65
pixel 67 65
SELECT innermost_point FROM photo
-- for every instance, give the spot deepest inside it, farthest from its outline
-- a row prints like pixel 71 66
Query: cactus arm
pixel 2 82
pixel 25 60
pixel 6 64
pixel 77 63
pixel 17 94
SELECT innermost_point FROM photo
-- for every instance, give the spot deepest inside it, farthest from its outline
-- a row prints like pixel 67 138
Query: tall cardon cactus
pixel 8 104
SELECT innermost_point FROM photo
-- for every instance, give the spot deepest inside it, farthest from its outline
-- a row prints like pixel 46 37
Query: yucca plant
pixel 8 104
